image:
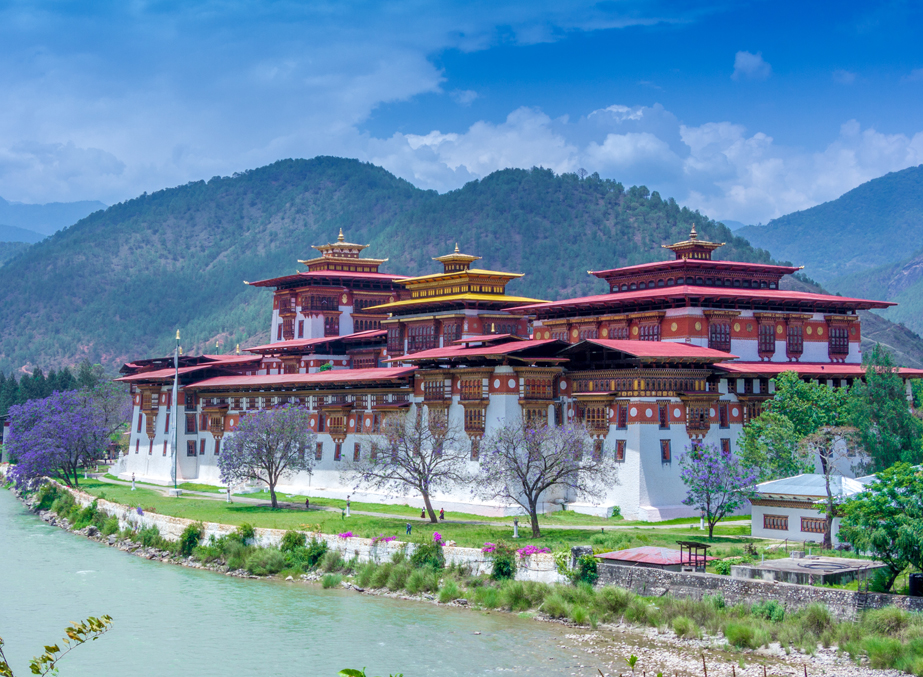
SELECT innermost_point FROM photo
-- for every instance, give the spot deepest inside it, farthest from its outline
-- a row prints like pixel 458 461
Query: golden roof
pixel 496 298
pixel 340 251
pixel 693 247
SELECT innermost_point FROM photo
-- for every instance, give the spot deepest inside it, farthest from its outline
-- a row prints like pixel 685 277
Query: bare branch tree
pixel 267 447
pixel 519 464
pixel 834 445
pixel 415 452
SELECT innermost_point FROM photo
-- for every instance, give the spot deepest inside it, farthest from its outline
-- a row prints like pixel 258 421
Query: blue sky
pixel 745 110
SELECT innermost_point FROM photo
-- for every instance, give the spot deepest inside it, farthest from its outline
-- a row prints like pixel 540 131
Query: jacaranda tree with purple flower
pixel 268 446
pixel 57 435
pixel 717 482
pixel 520 463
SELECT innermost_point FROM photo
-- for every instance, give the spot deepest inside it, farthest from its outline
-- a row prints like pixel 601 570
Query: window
pixel 203 422
pixel 190 402
pixel 725 445
pixel 597 449
pixel 474 419
pixel 794 343
pixel 140 419
pixel 719 336
pixel 217 447
pixel 618 332
pixel 587 333
pixel 663 410
pixel 300 328
pixel 332 325
pixel 649 332
pixel 620 451
pixel 190 424
pixel 813 525
pixel 137 444
pixel 767 338
pixel 166 424
pixel 201 447
pixel 319 452
pixel 622 416
pixel 164 448
pixel 775 522
pixel 451 331
pixel 839 341
pixel 421 337
pixel 337 451
pixel 190 448
pixel 279 332
pixel 475 448
pixel 357 451
pixel 472 388
pixel 395 341
pixel 665 451
pixel 150 448
pixel 597 418
pixel 723 421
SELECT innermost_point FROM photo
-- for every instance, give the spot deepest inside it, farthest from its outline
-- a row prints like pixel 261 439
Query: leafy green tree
pixel 886 520
pixel 878 408
pixel 769 444
pixel 835 446
pixel 809 405
pixel 79 633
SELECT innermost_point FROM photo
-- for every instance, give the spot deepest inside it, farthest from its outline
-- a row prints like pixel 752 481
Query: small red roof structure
pixel 655 349
pixel 650 556
pixel 815 369
pixel 332 377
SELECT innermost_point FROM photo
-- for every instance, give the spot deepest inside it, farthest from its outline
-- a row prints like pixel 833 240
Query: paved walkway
pixel 524 523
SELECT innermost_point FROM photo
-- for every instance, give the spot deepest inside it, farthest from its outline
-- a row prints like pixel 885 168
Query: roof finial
pixel 340 236
pixel 456 248
pixel 238 349
pixel 692 234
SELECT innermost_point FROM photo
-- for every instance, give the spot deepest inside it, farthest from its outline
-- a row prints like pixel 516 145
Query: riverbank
pixel 665 633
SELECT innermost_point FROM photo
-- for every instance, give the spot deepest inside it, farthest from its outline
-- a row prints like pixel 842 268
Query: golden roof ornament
pixel 693 248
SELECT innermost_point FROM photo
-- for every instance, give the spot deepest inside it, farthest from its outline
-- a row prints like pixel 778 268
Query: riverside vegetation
pixel 885 638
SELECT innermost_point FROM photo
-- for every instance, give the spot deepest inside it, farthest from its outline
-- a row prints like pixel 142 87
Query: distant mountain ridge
pixel 116 285
pixel 14 234
pixel 43 219
pixel 874 225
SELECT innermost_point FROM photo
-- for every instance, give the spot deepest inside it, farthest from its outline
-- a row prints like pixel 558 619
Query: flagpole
pixel 175 409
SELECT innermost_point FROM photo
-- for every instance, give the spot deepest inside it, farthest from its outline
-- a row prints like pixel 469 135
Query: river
pixel 170 620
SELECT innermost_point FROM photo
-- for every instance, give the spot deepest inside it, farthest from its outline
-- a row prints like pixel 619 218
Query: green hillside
pixel 873 225
pixel 10 249
pixel 116 285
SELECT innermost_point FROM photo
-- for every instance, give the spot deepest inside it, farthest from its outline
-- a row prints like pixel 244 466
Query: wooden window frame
pixel 775 522
pixel 620 450
pixel 319 451
pixel 666 452
pixel 202 447
pixel 190 449
pixel 819 525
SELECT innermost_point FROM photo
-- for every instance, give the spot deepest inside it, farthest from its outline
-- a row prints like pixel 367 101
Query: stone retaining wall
pixel 539 568
pixel 844 604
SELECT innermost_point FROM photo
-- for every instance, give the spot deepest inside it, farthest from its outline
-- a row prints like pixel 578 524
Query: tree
pixel 770 444
pixel 885 520
pixel 56 436
pixel 79 633
pixel 415 452
pixel 717 482
pixel 520 463
pixel 268 446
pixel 878 408
pixel 834 445
pixel 808 405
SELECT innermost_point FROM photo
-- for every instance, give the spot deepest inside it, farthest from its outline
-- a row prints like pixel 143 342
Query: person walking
pixel 132 481
pixel 347 505
pixel 442 513
pixel 423 514
pixel 408 528
pixel 307 504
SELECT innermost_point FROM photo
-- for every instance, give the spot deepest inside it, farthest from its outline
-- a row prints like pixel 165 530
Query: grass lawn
pixel 729 539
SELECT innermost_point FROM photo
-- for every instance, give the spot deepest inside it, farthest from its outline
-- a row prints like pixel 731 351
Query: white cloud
pixel 750 66
pixel 916 75
pixel 463 97
pixel 844 77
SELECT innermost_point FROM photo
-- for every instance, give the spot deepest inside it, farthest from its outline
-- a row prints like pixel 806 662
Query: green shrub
pixel 190 538
pixel 399 575
pixel 86 516
pixel 265 561
pixel 685 627
pixel 398 557
pixel 504 559
pixel 365 573
pixel 236 554
pixel 741 635
pixel 716 601
pixel 555 606
pixel 207 553
pixel 110 526
pixel 422 580
pixel 449 592
pixel 579 615
pixel 381 575
pixel 487 597
pixel 586 570
pixel 815 619
pixel 331 580
pixel 315 551
pixel 769 609
pixel 64 505
pixel 428 554
pixel 292 540
pixel 615 513
pixel 887 621
pixel 47 494
pixel 245 533
pixel 149 537
pixel 640 612
pixel 613 601
pixel 331 561
pixel 514 596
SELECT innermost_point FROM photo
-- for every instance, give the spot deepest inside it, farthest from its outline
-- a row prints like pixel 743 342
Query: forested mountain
pixel 10 249
pixel 118 284
pixel 876 224
pixel 19 235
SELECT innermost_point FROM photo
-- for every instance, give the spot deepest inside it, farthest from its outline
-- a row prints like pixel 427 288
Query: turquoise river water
pixel 170 620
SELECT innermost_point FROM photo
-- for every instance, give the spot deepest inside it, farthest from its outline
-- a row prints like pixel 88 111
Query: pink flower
pixel 531 550
pixel 347 534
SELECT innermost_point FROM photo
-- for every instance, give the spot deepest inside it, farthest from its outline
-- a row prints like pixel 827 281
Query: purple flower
pixel 531 550
pixel 488 547
pixel 346 534
pixel 381 538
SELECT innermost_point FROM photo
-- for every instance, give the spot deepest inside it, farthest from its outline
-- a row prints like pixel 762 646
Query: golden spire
pixel 340 236
pixel 456 248
pixel 177 334
pixel 692 234
pixel 237 350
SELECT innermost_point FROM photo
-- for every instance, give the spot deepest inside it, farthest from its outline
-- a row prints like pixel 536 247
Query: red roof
pixel 318 274
pixel 490 338
pixel 659 349
pixel 508 348
pixel 167 373
pixel 649 554
pixel 320 377
pixel 698 263
pixel 682 291
pixel 831 369
pixel 307 343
